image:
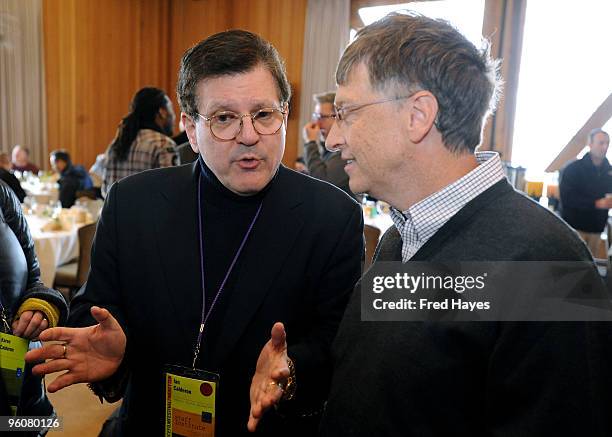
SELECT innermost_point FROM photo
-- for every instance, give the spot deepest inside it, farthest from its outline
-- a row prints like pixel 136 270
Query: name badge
pixel 12 365
pixel 190 402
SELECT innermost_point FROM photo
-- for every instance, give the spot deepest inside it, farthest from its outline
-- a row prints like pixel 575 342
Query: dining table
pixel 40 192
pixel 53 247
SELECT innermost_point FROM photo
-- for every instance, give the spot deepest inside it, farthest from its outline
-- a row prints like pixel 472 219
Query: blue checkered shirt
pixel 422 220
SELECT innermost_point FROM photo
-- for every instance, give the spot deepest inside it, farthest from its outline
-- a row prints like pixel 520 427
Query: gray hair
pixel 327 97
pixel 595 132
pixel 413 52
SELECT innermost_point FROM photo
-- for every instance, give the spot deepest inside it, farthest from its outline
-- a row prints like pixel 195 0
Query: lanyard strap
pixel 206 314
pixel 3 317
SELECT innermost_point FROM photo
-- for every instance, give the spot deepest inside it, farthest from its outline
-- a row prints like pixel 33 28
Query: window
pixel 465 15
pixel 564 77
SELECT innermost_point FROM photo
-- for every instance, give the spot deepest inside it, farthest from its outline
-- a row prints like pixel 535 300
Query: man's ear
pixel 190 129
pixel 422 115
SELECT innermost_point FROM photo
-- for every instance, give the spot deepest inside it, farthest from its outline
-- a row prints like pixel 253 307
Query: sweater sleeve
pixel 574 193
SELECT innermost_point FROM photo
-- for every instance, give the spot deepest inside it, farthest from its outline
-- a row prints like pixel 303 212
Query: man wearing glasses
pixel 194 264
pixel 321 163
pixel 412 98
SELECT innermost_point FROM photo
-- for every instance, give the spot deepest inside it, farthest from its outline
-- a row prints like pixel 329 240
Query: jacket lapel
pixel 274 234
pixel 177 243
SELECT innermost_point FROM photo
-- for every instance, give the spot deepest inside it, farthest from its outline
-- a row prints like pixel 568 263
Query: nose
pixel 247 136
pixel 334 140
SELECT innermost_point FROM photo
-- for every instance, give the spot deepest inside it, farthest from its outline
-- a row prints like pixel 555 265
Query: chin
pixel 249 188
pixel 358 186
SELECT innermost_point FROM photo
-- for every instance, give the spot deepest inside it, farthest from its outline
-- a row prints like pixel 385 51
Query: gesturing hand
pixel 311 132
pixel 271 374
pixel 88 354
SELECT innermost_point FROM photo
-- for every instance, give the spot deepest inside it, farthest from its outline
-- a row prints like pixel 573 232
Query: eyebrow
pixel 228 106
pixel 343 102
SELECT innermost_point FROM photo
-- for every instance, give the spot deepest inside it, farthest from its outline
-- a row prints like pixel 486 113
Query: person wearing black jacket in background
pixel 27 305
pixel 73 178
pixel 584 186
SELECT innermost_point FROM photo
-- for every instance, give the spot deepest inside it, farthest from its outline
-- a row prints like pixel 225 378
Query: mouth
pixel 249 162
pixel 349 164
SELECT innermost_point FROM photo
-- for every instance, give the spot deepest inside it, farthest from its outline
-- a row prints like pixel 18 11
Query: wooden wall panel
pixel 60 82
pixel 282 23
pixel 98 54
pixel 192 21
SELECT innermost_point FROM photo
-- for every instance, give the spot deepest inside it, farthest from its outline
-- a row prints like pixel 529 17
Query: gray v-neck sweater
pixel 475 378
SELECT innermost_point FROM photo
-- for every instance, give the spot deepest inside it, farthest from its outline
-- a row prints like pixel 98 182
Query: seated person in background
pixel 300 165
pixel 9 178
pixel 143 139
pixel 21 160
pixel 583 186
pixel 323 164
pixel 25 303
pixel 73 178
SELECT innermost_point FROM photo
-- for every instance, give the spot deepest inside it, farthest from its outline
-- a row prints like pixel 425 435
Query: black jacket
pixel 299 266
pixel 10 179
pixel 19 280
pixel 74 178
pixel 13 224
pixel 580 184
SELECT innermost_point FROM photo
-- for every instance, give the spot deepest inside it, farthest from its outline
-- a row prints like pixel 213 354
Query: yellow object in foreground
pixel 12 366
pixel 34 304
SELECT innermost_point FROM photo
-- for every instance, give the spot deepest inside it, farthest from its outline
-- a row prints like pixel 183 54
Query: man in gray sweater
pixel 321 163
pixel 413 95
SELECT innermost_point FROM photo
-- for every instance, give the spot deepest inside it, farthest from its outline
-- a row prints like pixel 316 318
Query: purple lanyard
pixel 206 314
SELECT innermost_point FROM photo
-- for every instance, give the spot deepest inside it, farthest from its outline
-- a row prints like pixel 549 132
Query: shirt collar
pixel 426 217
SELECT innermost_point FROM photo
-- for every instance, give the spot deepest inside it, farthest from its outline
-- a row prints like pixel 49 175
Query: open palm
pixel 92 353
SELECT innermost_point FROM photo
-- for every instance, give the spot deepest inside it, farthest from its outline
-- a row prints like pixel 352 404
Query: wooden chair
pixel 73 275
pixel 372 234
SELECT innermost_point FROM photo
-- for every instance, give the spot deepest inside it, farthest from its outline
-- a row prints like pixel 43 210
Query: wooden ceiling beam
pixel 599 118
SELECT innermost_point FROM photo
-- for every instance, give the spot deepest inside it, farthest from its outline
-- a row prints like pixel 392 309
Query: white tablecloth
pixel 43 193
pixel 52 248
